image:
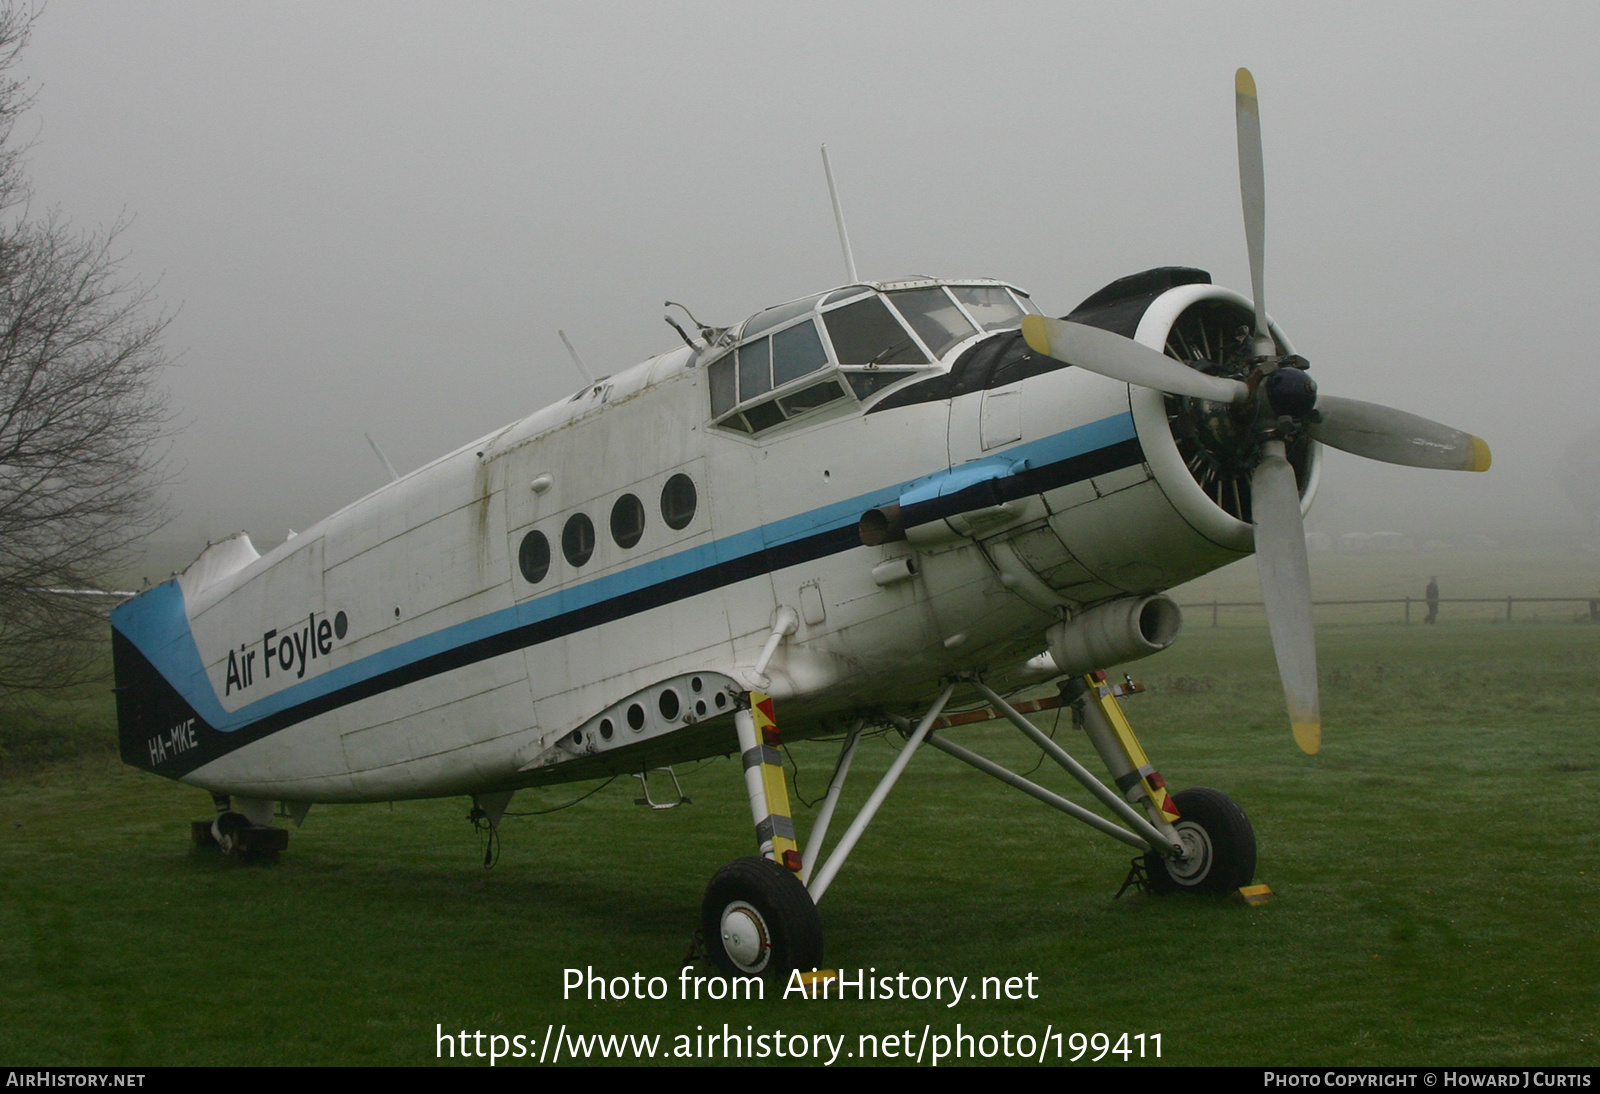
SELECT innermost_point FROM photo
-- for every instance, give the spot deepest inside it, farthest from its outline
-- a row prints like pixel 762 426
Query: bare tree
pixel 81 418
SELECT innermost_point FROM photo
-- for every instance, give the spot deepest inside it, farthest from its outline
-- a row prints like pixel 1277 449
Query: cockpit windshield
pixel 992 306
pixel 809 354
pixel 866 333
pixel 933 315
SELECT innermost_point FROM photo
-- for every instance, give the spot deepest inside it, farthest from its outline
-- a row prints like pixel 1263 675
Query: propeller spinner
pixel 1249 421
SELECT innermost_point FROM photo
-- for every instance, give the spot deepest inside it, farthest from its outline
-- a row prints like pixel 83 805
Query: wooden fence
pixel 1591 603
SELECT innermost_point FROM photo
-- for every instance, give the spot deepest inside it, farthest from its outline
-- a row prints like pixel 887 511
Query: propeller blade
pixel 1100 351
pixel 1286 590
pixel 1252 188
pixel 1393 436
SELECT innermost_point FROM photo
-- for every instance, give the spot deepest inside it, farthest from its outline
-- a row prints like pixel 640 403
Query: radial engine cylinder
pixel 1123 630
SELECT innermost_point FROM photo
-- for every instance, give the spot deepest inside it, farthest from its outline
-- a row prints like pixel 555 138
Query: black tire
pixel 758 920
pixel 242 841
pixel 1222 843
pixel 225 831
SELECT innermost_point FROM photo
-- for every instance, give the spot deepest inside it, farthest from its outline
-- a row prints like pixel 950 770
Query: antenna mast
pixel 838 217
pixel 394 476
pixel 583 368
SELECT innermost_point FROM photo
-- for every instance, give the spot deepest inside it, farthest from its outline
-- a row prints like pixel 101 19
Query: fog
pixel 371 218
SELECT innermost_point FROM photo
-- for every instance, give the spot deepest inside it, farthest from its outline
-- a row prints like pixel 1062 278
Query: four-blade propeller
pixel 1286 405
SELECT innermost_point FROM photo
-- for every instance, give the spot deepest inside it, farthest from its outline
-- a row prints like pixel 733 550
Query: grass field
pixel 1436 872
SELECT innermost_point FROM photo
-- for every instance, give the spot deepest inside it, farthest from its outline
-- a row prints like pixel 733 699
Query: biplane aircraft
pixel 839 513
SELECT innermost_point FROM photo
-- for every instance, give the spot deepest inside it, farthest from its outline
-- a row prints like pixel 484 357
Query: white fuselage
pixel 399 649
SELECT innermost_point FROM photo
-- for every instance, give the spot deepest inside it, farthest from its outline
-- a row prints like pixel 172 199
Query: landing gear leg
pixel 1096 706
pixel 757 726
pixel 757 918
pixel 1196 841
pixel 242 830
pixel 1219 845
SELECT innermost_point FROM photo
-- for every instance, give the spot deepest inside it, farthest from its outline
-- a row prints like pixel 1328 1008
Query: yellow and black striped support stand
pixel 763 769
pixel 1102 693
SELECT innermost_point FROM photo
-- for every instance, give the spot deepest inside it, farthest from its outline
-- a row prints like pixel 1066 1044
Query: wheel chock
pixel 261 842
pixel 1251 895
pixel 247 843
pixel 814 981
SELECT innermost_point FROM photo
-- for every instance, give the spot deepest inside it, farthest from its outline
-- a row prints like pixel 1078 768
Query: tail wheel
pixel 758 920
pixel 241 839
pixel 1219 846
pixel 227 829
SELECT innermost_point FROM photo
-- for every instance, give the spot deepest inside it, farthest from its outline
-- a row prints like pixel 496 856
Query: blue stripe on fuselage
pixel 157 623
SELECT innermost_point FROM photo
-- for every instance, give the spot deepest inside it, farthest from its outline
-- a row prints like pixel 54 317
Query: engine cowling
pixel 1202 454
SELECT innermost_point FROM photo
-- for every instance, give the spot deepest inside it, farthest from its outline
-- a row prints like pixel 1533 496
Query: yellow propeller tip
pixel 1481 457
pixel 1308 735
pixel 1244 83
pixel 1034 333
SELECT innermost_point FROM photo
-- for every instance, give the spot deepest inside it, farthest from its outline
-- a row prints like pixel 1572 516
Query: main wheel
pixel 1219 846
pixel 758 920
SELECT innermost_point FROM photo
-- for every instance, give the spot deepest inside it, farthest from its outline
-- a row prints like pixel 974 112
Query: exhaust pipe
pixel 1123 630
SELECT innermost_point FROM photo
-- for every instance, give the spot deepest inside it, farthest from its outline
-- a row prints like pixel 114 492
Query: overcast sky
pixel 373 218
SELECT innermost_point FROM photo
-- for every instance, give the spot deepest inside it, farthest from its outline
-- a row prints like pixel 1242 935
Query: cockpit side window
pixel 724 385
pixel 771 364
pixel 797 352
pixel 755 368
pixel 809 398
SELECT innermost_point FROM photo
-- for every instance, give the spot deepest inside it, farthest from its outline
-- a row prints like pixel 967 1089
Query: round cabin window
pixel 577 539
pixel 533 557
pixel 678 502
pixel 627 520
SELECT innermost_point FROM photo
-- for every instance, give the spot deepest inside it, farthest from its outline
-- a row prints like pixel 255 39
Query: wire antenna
pixel 583 368
pixel 394 476
pixel 838 218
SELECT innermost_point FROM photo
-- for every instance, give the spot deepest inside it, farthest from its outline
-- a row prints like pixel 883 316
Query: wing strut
pixel 847 842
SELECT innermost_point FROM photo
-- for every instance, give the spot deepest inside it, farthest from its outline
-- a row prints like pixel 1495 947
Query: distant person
pixel 1432 597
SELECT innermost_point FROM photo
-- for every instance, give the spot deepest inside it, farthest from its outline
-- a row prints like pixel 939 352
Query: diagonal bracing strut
pixel 1154 838
pixel 819 829
pixel 824 876
pixel 1033 789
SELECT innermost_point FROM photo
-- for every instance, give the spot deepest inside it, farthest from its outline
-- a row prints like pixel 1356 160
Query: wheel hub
pixel 744 936
pixel 1192 866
